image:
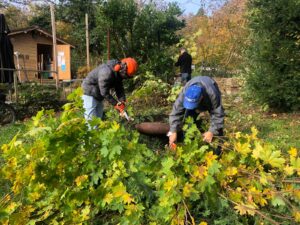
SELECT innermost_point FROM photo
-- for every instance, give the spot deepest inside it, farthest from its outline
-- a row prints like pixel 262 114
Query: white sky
pixel 192 6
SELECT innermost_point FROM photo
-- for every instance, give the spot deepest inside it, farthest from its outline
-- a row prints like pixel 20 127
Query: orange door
pixel 64 62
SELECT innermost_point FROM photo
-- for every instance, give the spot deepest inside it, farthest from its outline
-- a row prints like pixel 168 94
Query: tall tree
pixel 218 40
pixel 40 16
pixel 144 32
pixel 274 52
pixel 16 17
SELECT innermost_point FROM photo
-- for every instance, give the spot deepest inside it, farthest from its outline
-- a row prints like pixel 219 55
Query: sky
pixel 189 6
pixel 192 6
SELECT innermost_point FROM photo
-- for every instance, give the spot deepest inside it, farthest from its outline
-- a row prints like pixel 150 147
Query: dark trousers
pixel 185 77
pixel 199 123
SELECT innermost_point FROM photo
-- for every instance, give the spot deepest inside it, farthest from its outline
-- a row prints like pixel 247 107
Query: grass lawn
pixel 9 131
pixel 280 129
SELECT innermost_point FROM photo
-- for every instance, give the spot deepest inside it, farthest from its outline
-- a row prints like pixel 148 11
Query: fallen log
pixel 153 128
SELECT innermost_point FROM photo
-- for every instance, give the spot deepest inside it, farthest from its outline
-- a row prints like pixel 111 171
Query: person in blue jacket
pixel 200 94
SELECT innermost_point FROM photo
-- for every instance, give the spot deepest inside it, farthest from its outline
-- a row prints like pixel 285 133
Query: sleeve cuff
pixel 214 131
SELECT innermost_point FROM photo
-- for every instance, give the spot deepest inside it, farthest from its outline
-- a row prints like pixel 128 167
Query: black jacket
pixel 100 80
pixel 185 63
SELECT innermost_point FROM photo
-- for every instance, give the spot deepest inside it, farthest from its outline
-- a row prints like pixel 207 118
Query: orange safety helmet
pixel 132 66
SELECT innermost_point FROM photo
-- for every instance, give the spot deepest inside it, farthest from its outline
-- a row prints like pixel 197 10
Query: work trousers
pixel 185 77
pixel 92 107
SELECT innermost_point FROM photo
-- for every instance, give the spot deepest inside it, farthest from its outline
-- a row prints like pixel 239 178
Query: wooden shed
pixel 33 50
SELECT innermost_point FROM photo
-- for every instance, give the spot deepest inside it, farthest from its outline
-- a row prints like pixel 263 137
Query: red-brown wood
pixel 153 128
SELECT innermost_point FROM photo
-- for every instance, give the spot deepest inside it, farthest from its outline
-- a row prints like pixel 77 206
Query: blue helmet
pixel 192 97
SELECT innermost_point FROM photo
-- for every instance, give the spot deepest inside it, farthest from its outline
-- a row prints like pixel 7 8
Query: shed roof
pixel 37 28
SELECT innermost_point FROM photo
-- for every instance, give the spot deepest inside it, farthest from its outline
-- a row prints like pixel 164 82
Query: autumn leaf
pixel 80 179
pixel 108 198
pixel 127 198
pixel 34 196
pixel 231 171
pixel 131 208
pixel 187 189
pixel 289 170
pixel 245 209
pixel 170 184
pixel 209 158
pixel 119 190
pixel 254 133
pixel 243 148
pixel 263 179
pixel 296 214
pixel 115 126
pixel 12 206
pixel 257 150
pixel 268 155
pixel 293 152
pixel 297 194
pixel 85 213
pixel 200 172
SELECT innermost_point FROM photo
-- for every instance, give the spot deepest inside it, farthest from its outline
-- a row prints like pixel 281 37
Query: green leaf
pixel 116 150
pixel 167 164
pixel 277 201
pixel 104 151
pixel 268 154
pixel 214 168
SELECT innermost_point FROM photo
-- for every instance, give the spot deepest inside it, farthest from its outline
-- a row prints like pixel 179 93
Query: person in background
pixel 198 95
pixel 98 83
pixel 185 63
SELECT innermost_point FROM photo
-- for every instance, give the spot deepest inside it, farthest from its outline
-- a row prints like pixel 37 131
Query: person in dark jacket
pixel 98 83
pixel 200 94
pixel 185 63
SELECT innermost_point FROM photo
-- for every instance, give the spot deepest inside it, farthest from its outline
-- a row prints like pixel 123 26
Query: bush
pixel 151 95
pixel 62 172
pixel 33 97
pixel 274 53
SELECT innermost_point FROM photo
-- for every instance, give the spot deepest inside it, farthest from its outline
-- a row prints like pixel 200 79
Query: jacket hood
pixel 112 63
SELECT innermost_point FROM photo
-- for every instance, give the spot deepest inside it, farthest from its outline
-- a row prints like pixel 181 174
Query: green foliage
pixel 174 93
pixel 151 94
pixel 41 16
pixel 273 54
pixel 60 171
pixel 89 172
pixel 72 13
pixel 15 17
pixel 34 97
pixel 8 132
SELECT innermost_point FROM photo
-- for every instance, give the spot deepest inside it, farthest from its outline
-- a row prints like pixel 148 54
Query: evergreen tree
pixel 274 53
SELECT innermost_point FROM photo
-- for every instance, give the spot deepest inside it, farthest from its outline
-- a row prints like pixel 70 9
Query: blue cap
pixel 192 97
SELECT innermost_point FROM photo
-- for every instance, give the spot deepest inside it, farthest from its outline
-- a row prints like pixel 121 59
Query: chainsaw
pixel 128 118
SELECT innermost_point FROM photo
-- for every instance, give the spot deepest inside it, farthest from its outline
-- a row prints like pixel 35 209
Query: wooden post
pixel 108 44
pixel 16 85
pixel 54 44
pixel 87 42
pixel 18 64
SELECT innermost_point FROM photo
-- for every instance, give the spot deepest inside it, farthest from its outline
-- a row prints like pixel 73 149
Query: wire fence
pixel 13 89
